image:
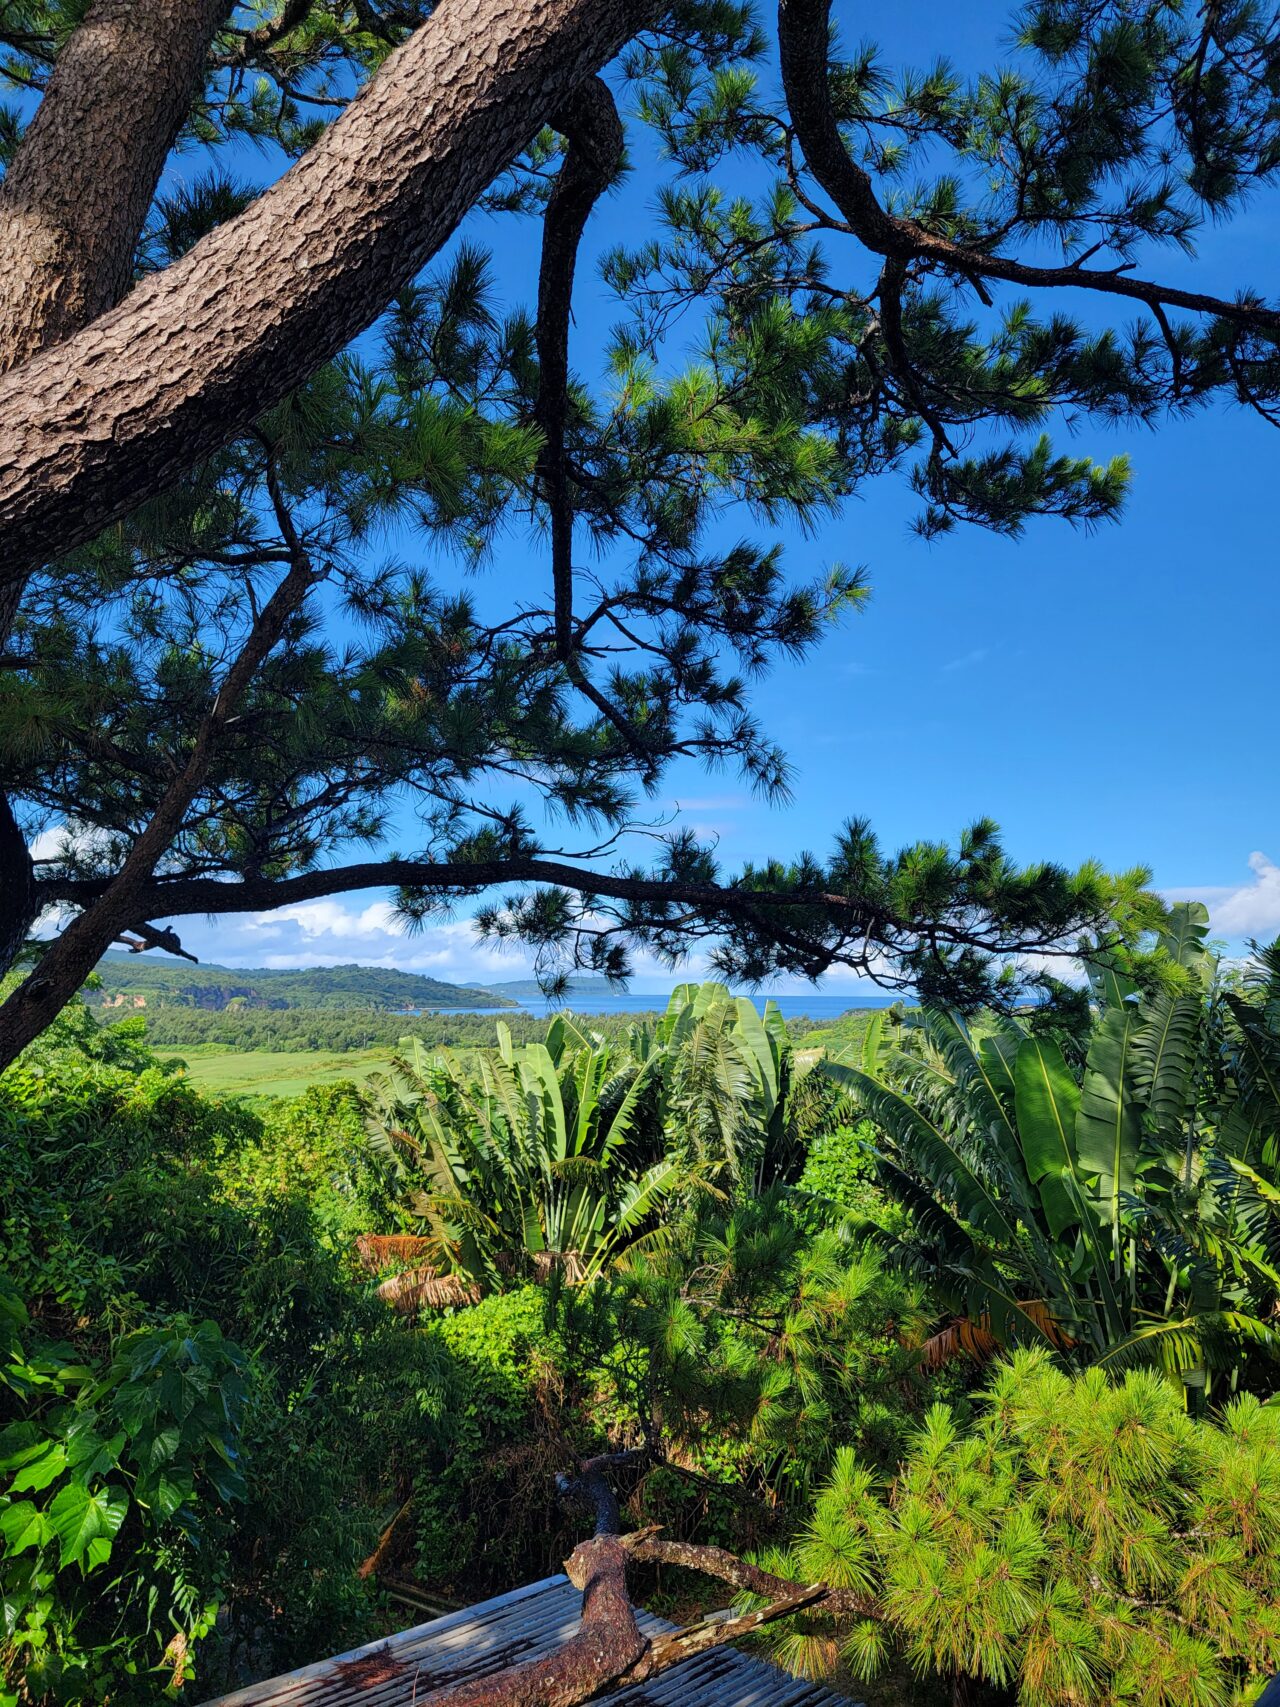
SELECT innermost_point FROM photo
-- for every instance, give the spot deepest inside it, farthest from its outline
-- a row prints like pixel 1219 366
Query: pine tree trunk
pixel 72 207
pixel 74 201
pixel 113 415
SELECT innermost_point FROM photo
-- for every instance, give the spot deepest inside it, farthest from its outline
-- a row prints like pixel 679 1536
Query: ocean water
pixel 818 1007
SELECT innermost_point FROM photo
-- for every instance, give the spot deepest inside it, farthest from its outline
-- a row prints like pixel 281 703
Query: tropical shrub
pixel 1082 1544
pixel 562 1155
pixel 485 1502
pixel 140 1220
pixel 1106 1186
pixel 115 1489
pixel 744 1332
pixel 520 1161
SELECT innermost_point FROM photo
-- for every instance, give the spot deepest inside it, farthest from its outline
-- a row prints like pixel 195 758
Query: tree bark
pixel 19 901
pixel 74 201
pixel 113 415
pixel 72 206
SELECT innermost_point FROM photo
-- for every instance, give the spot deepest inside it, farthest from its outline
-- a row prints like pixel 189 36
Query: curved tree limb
pixel 590 122
pixel 116 413
pixel 815 927
pixel 68 962
pixel 803 40
pixel 180 897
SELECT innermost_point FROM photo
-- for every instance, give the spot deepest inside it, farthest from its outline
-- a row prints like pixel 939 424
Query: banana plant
pixel 729 1079
pixel 1124 1209
pixel 523 1160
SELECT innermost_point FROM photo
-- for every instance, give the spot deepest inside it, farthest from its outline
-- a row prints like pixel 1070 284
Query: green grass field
pixel 273 1073
pixel 224 1070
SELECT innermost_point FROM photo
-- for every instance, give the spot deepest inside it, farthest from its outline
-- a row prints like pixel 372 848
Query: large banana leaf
pixel 1047 1102
pixel 1184 933
pixel 971 1070
pixel 1165 1051
pixel 1108 1127
pixel 999 1052
pixel 750 1030
pixel 928 1149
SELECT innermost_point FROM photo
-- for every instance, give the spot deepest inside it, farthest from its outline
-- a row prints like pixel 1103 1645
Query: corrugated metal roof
pixel 526 1624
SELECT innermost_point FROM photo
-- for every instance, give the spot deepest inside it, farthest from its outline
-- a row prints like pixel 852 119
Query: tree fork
pixel 117 412
pixel 803 43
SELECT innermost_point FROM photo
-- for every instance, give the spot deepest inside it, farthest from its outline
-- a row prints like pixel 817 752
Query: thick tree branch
pixel 609 1648
pixel 179 897
pixel 741 1574
pixel 115 414
pixel 590 122
pixel 805 928
pixel 803 40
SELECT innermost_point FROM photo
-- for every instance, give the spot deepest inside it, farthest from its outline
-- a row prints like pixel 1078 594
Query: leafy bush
pixel 115 1483
pixel 130 1205
pixel 486 1505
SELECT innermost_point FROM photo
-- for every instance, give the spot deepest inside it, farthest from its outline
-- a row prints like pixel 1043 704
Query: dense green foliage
pixel 566 1153
pixel 1080 1544
pixel 1101 1179
pixel 141 1225
pixel 209 1415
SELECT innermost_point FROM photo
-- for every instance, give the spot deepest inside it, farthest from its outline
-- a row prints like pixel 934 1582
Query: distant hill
pixel 131 983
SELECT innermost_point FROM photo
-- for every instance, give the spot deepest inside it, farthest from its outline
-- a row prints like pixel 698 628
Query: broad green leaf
pixel 872 1041
pixel 1047 1102
pixel 1164 1058
pixel 1108 1128
pixel 750 1028
pixel 971 1069
pixel 1111 988
pixel 39 1472
pixel 23 1525
pixel 78 1516
pixel 1183 937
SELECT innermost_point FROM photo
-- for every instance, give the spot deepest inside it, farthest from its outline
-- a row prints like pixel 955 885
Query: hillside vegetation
pixel 128 983
pixel 275 1052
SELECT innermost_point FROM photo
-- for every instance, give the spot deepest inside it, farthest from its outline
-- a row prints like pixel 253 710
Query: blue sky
pixel 1103 695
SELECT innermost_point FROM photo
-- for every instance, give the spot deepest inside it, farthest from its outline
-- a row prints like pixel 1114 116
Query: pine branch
pixel 804 46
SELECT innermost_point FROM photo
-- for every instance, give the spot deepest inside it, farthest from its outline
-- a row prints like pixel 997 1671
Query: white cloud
pixel 316 919
pixel 968 660
pixel 48 844
pixel 1245 910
